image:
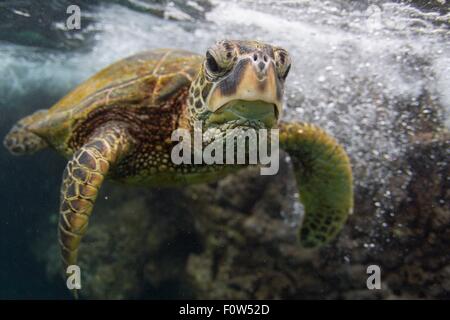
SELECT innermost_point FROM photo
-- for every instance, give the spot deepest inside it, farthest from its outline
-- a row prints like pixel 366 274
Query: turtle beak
pixel 253 83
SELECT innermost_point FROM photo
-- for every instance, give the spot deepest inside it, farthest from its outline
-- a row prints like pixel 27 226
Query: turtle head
pixel 240 83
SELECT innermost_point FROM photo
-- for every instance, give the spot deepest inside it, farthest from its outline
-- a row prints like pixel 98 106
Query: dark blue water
pixel 26 189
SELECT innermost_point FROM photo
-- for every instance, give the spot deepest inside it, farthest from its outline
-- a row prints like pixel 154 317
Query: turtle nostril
pixel 265 58
pixel 255 57
pixel 261 65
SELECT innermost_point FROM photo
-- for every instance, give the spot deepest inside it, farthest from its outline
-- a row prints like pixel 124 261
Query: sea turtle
pixel 118 124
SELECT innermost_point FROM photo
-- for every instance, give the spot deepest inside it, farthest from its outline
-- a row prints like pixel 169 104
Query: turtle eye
pixel 286 72
pixel 211 63
pixel 283 63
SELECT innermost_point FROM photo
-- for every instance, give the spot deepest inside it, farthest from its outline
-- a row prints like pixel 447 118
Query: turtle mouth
pixel 258 110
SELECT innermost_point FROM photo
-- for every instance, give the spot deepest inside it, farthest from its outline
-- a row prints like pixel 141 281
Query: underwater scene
pixel 357 205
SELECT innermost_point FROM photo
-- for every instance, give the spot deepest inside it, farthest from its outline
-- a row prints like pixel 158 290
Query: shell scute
pixel 144 79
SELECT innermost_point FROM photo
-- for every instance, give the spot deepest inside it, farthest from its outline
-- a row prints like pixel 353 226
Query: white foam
pixel 442 70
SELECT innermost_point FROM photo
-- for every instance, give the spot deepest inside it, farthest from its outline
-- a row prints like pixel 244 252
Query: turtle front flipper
pixel 20 140
pixel 324 178
pixel 82 179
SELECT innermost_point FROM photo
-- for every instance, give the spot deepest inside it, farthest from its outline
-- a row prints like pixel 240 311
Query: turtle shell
pixel 147 79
